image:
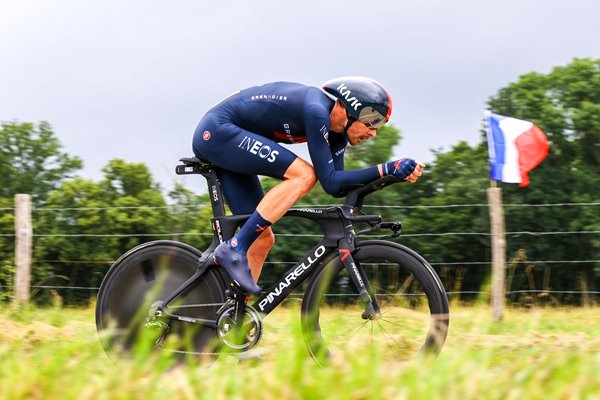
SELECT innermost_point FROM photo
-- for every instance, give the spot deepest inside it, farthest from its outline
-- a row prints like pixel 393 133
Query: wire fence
pixel 443 206
pixel 285 265
pixel 417 234
pixel 301 295
pixel 290 263
pixel 399 207
pixel 423 234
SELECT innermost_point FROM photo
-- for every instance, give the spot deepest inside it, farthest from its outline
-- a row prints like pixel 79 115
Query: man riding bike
pixel 240 135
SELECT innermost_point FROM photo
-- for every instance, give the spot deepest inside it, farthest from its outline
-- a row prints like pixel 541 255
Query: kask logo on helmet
pixel 346 93
pixel 363 98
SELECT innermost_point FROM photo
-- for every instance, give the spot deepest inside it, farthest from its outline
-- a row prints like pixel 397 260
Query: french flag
pixel 515 148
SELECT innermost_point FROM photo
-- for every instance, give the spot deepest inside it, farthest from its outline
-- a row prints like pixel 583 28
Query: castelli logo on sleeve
pixel 206 135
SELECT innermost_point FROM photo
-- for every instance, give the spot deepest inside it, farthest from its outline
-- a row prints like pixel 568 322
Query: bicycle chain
pixel 197 353
pixel 196 305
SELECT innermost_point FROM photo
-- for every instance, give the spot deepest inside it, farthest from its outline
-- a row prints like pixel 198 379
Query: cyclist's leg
pixel 232 148
pixel 258 251
pixel 246 196
pixel 242 193
pixel 298 181
pixel 235 149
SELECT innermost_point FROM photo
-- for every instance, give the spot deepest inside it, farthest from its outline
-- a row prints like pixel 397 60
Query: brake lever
pixel 395 227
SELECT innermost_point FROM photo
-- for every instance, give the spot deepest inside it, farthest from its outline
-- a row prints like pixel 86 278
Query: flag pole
pixel 528 146
pixel 497 227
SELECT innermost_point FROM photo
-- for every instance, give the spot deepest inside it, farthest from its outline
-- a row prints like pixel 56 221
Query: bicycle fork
pixel 359 278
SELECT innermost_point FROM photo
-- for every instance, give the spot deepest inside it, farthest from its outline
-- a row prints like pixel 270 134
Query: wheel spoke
pixel 358 329
pixel 387 335
pixel 407 293
pixel 390 322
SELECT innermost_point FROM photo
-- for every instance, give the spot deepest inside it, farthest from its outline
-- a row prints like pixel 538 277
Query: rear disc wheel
pixel 135 286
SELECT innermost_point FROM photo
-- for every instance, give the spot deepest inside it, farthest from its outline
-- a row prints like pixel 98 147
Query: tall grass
pixel 539 353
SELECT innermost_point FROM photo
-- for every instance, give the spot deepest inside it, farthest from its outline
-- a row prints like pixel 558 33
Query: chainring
pixel 243 339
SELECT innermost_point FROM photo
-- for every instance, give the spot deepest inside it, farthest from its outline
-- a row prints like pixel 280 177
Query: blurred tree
pixel 32 160
pixel 456 177
pixel 374 151
pixel 64 255
pixel 126 206
pixel 191 214
pixel 566 104
pixel 7 246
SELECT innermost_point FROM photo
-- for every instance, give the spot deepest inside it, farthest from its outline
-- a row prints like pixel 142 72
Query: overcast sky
pixel 131 79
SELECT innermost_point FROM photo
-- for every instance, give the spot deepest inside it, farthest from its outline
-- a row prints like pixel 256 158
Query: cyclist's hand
pixel 417 172
pixel 405 168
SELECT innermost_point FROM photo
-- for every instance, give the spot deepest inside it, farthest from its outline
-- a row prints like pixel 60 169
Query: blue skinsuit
pixel 240 135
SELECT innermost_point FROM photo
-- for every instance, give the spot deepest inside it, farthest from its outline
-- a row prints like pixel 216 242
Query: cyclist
pixel 241 136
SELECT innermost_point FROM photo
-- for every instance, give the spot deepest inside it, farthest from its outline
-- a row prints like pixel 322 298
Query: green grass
pixel 544 353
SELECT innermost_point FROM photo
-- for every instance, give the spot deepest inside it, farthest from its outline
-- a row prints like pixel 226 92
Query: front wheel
pixel 413 305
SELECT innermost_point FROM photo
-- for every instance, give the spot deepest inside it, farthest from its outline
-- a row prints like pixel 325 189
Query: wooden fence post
pixel 23 239
pixel 498 251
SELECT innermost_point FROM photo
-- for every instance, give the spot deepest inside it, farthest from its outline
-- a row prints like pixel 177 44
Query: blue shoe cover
pixel 237 267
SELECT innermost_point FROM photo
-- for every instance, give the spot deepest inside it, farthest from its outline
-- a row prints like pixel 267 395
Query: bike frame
pixel 337 235
pixel 336 224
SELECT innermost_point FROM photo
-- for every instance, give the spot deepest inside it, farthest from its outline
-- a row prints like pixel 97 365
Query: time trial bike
pixel 358 293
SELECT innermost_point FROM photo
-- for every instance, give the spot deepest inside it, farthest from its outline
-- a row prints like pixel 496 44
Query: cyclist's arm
pixel 316 119
pixel 337 147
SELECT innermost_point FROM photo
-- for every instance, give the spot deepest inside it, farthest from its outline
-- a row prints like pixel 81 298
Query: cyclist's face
pixel 359 132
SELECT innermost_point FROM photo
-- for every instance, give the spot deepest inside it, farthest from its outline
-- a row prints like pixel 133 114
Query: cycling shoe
pixel 237 267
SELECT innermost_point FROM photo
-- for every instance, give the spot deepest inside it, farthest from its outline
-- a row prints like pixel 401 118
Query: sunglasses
pixel 373 121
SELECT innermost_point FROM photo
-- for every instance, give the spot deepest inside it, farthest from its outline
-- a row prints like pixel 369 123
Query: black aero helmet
pixel 365 99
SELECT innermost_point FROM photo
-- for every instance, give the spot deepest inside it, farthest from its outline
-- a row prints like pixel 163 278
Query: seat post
pixel 194 165
pixel 214 192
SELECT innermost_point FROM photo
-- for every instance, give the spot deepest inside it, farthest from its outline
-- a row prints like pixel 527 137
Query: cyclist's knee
pixel 309 180
pixel 303 174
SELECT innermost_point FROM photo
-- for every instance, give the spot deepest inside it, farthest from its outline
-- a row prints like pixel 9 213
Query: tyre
pixel 139 280
pixel 413 304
